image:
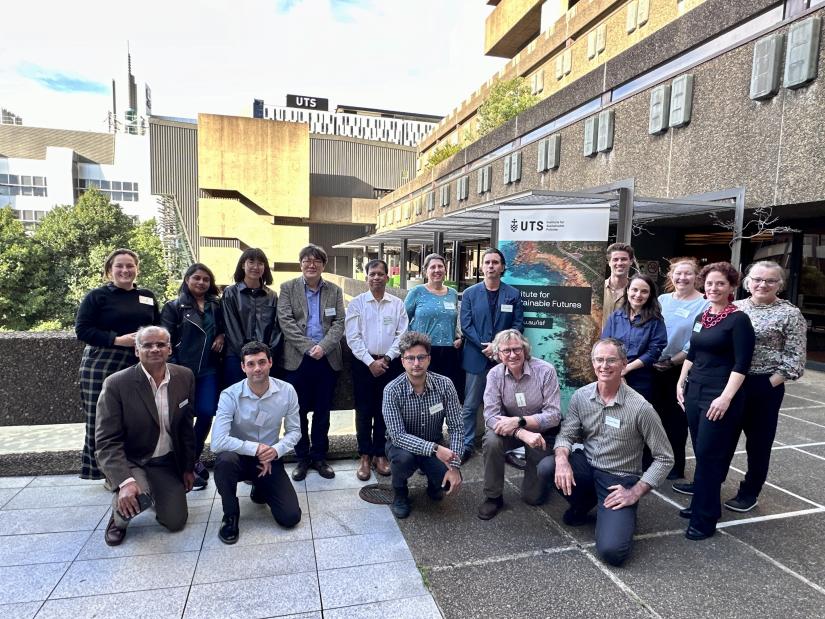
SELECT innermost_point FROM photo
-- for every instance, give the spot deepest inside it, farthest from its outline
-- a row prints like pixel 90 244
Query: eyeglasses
pixel 768 282
pixel 154 345
pixel 608 361
pixel 414 358
pixel 311 262
pixel 510 351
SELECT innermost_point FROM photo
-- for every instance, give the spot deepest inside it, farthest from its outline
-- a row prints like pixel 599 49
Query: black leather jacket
pixel 250 314
pixel 191 345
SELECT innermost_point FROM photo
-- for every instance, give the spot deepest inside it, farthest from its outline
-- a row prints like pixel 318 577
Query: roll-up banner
pixel 555 257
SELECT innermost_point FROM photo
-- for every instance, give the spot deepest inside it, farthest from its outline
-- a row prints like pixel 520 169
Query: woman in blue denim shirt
pixel 640 327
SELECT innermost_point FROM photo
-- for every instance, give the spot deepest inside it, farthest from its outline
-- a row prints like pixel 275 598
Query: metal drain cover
pixel 376 493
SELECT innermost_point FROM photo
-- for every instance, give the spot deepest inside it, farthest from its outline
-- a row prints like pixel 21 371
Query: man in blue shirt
pixel 245 437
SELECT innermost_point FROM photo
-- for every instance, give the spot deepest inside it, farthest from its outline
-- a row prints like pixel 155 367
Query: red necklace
pixel 708 322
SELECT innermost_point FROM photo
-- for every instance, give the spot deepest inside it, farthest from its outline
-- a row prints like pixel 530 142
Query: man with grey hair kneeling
pixel 144 436
pixel 614 423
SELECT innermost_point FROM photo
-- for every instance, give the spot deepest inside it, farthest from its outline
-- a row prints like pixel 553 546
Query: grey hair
pixel 430 257
pixel 620 349
pixel 151 329
pixel 766 264
pixel 511 334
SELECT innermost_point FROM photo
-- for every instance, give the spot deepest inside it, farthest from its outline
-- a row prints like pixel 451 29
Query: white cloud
pixel 215 56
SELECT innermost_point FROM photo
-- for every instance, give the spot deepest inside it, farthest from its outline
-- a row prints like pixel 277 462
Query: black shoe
pixel 674 474
pixel 201 471
pixel 228 532
pixel 468 453
pixel 324 469
pixel 200 483
pixel 573 518
pixel 400 507
pixel 490 507
pixel 683 487
pixel 436 493
pixel 741 503
pixel 695 534
pixel 687 512
pixel 255 497
pixel 515 461
pixel 300 471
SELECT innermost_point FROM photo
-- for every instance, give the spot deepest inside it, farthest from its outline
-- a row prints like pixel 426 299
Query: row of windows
pixel 23 179
pixel 114 196
pixel 86 183
pixel 26 190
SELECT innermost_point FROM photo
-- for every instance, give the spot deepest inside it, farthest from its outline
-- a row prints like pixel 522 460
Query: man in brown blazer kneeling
pixel 144 436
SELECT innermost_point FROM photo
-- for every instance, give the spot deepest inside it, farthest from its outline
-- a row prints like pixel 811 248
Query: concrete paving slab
pixel 49 481
pixel 420 607
pixel 814 416
pixel 29 583
pixel 272 596
pixel 7 494
pixel 255 531
pixel 793 471
pixel 383 547
pixel 238 562
pixel 366 584
pixel 158 604
pixel 70 496
pixel 816 450
pixel 798 543
pixel 145 540
pixel 15 482
pixel 98 576
pixel 374 519
pixel 572 586
pixel 41 547
pixel 24 610
pixel 22 521
pixel 341 481
pixel 335 500
pixel 680 578
pixel 450 532
pixel 250 510
pixel 795 431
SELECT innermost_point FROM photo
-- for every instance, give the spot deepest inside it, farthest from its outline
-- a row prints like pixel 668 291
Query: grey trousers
pixel 160 480
pixel 533 491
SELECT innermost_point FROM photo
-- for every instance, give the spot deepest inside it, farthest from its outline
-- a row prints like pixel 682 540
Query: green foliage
pixel 48 325
pixel 22 285
pixel 507 99
pixel 440 153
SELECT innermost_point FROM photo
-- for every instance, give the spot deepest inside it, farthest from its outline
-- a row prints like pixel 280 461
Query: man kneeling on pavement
pixel 521 408
pixel 245 439
pixel 613 423
pixel 415 407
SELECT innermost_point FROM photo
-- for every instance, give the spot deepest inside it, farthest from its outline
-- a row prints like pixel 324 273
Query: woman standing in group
pixel 106 322
pixel 709 390
pixel 249 312
pixel 680 308
pixel 779 355
pixel 638 324
pixel 433 309
pixel 195 323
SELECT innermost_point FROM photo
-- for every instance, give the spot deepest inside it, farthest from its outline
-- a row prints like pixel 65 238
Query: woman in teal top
pixel 433 309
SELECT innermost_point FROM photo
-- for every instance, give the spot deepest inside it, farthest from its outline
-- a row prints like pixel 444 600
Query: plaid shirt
pixel 415 422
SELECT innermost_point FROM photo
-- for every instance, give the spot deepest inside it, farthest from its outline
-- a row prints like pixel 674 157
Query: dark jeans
pixel 368 392
pixel 673 417
pixel 274 488
pixel 404 463
pixel 533 490
pixel 314 381
pixel 232 372
pixel 714 443
pixel 762 402
pixel 446 360
pixel 206 403
pixel 614 527
pixel 641 381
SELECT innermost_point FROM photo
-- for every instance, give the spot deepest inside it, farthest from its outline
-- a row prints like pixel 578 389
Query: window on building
pixel 117 191
pixel 22 185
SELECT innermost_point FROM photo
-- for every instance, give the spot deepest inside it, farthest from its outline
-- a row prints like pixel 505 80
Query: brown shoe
pixel 364 473
pixel 382 465
pixel 113 536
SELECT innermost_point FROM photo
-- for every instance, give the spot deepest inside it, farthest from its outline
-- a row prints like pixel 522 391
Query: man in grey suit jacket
pixel 311 315
pixel 144 436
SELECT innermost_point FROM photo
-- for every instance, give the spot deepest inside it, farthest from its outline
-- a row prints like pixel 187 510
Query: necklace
pixel 708 322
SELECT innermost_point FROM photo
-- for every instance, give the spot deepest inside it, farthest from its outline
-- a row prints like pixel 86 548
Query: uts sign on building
pixel 307 103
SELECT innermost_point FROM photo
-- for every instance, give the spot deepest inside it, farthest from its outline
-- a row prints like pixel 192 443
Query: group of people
pixel 664 365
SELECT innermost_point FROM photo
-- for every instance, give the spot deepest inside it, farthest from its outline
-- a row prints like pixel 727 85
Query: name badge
pixel 506 308
pixel 387 320
pixel 521 400
pixel 436 408
pixel 146 300
pixel 184 403
pixel 449 305
pixel 682 312
pixel 697 327
pixel 612 421
pixel 330 311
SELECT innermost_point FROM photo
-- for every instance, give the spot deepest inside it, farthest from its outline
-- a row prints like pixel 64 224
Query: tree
pixel 507 99
pixel 22 290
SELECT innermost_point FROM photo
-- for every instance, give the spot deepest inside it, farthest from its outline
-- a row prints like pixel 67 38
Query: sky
pixel 58 58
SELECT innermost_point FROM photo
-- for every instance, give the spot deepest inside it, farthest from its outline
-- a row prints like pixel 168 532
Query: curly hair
pixel 725 268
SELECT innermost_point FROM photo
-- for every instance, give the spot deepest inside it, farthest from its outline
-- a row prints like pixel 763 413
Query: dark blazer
pixel 476 326
pixel 293 315
pixel 127 424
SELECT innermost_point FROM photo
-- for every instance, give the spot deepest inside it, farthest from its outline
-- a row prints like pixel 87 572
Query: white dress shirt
pixel 374 327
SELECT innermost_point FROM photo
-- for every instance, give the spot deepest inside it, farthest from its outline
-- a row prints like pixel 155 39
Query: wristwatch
pixel 522 422
pixel 435 449
pixel 387 359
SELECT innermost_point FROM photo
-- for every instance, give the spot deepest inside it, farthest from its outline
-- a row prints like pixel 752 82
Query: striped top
pixel 415 422
pixel 536 393
pixel 614 436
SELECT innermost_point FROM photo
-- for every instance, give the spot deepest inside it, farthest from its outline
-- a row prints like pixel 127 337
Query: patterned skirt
pixel 97 363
